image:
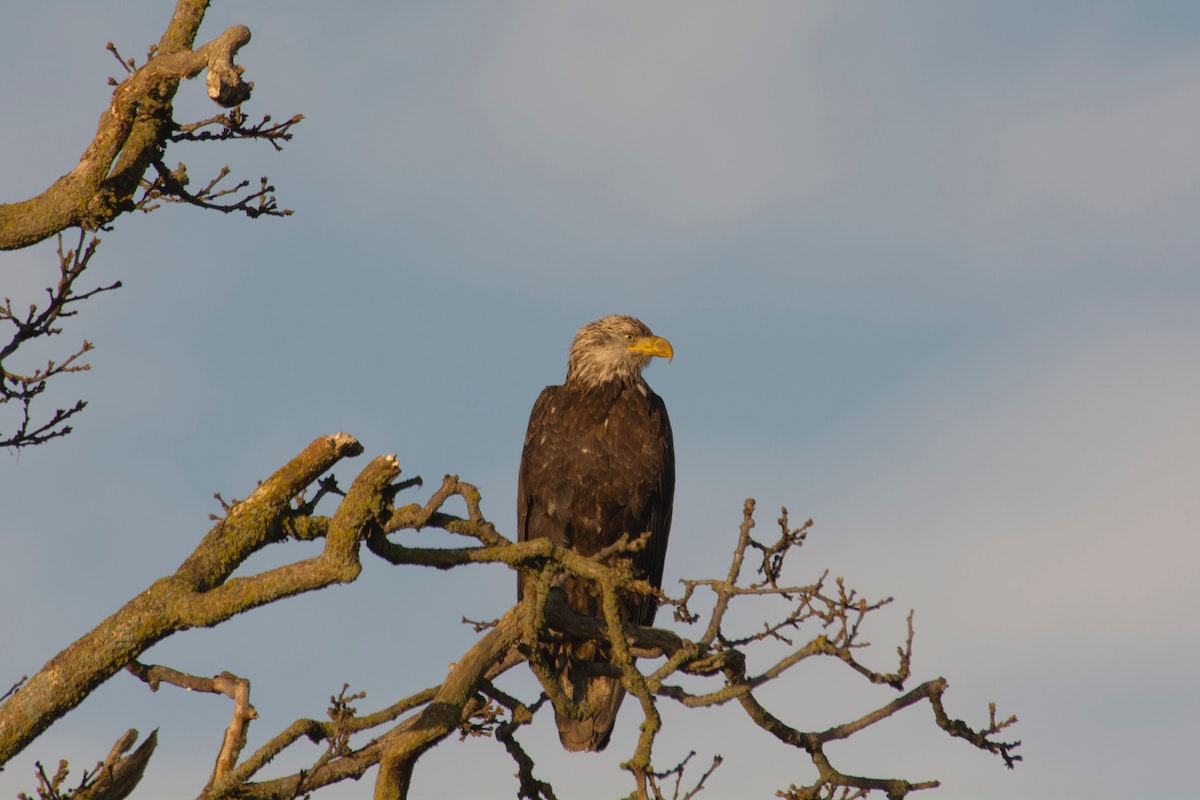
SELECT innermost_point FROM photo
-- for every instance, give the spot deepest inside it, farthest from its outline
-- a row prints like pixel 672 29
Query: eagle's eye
pixel 629 337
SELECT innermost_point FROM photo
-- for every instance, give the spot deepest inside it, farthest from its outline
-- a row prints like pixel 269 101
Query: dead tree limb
pixel 235 688
pixel 131 132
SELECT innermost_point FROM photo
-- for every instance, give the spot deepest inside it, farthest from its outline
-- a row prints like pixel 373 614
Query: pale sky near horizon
pixel 929 268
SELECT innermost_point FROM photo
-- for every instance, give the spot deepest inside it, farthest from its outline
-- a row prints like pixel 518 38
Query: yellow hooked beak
pixel 653 346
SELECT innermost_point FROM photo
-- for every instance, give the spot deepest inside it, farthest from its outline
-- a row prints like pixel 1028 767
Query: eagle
pixel 599 462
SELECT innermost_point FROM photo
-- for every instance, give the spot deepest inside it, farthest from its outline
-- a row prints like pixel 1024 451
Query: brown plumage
pixel 599 462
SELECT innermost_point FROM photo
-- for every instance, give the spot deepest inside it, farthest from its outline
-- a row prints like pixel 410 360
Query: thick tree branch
pixel 402 747
pixel 198 593
pixel 825 620
pixel 131 137
pixel 130 133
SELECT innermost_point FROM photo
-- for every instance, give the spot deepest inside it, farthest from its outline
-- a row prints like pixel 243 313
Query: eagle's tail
pixel 604 696
pixel 600 693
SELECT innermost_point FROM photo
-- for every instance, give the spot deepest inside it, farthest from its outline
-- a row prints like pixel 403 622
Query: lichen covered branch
pixel 201 592
pixel 835 617
pixel 818 619
pixel 131 132
pixel 126 154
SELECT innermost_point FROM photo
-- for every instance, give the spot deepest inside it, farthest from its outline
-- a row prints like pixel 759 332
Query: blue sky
pixel 930 273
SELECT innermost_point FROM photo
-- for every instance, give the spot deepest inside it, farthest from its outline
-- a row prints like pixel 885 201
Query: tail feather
pixel 602 694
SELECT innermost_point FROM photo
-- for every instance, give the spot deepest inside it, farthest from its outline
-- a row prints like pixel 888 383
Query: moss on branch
pixel 204 592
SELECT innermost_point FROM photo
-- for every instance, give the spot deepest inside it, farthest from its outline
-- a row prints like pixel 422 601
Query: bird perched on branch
pixel 598 463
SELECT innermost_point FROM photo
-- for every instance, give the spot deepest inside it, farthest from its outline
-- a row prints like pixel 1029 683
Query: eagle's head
pixel 615 348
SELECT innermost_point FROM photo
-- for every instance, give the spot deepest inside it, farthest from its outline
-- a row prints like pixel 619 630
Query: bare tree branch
pixel 200 592
pixel 16 685
pixel 228 684
pixel 820 620
pixel 113 779
pixel 233 126
pixel 130 132
pixel 23 387
pixel 120 773
pixel 131 138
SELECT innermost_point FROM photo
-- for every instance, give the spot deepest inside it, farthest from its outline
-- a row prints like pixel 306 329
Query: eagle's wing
pixel 597 465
